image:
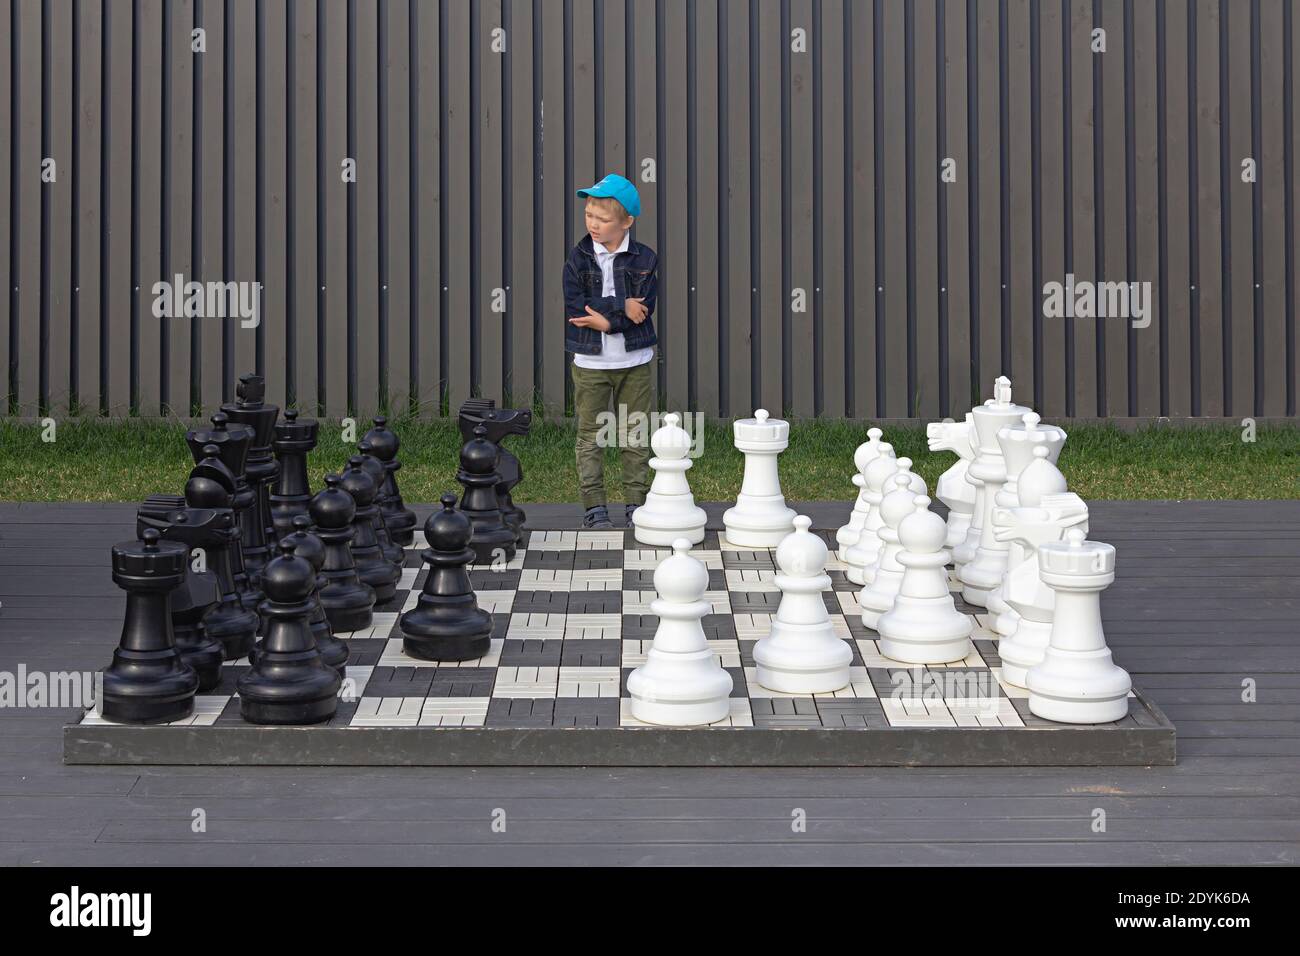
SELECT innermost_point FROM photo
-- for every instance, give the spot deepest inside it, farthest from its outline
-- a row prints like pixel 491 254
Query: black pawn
pixel 393 552
pixel 310 547
pixel 447 624
pixel 294 439
pixel 384 445
pixel 231 622
pixel 148 683
pixel 288 683
pixel 478 462
pixel 348 603
pixel 372 567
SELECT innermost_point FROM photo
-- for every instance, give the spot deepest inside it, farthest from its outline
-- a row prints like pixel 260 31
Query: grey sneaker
pixel 629 509
pixel 597 518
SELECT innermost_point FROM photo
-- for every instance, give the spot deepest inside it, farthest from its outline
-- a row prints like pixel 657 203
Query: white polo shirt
pixel 613 352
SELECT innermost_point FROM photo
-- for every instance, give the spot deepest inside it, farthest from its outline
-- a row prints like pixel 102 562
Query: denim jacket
pixel 636 276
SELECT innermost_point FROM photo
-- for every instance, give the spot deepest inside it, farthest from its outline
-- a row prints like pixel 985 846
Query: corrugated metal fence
pixel 818 255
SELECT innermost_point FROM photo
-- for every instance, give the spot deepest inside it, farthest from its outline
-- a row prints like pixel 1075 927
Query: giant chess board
pixel 572 619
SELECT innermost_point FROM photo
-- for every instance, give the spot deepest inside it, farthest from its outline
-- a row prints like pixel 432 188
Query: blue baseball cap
pixel 616 187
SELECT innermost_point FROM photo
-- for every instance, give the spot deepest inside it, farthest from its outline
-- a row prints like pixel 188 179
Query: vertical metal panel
pixel 860 247
pixel 147 204
pixel 925 174
pixel 1240 327
pixel 773 302
pixel 990 264
pixel 1114 236
pixel 272 198
pixel 807 334
pixel 1083 204
pixel 891 191
pixel 956 282
pixel 1176 299
pixel 522 171
pixel 556 204
pixel 331 60
pixel 62 118
pixel 9 95
pixel 300 196
pixel 707 179
pixel 177 200
pixel 25 320
pixel 1210 210
pixel 1271 317
pixel 370 215
pixel 736 201
pixel 490 208
pixel 426 206
pixel 1025 301
pixel 240 130
pixel 833 189
pixel 1145 343
pixel 675 191
pixel 1054 145
pixel 398 216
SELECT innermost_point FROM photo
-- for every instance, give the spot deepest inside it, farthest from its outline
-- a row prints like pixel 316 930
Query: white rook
pixel 1078 682
pixel 760 518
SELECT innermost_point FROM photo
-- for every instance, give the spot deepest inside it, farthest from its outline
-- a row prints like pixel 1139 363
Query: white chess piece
pixel 917 485
pixel 1027 634
pixel 864 549
pixel 669 511
pixel 682 683
pixel 1036 480
pixel 952 488
pixel 760 518
pixel 1077 681
pixel 866 453
pixel 1020 444
pixel 801 654
pixel 924 625
pixel 878 597
pixel 984 572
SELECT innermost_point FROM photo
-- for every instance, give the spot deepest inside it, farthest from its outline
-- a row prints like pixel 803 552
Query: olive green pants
pixel 614 407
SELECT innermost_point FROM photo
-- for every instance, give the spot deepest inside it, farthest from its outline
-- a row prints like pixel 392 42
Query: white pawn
pixel 952 488
pixel 669 511
pixel 924 625
pixel 864 550
pixel 682 683
pixel 878 597
pixel 917 486
pixel 866 453
pixel 1078 682
pixel 801 654
pixel 760 518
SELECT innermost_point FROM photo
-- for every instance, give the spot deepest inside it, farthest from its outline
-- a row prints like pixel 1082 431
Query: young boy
pixel 609 295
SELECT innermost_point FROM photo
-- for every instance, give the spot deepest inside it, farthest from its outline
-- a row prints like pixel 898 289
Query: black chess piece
pixel 148 683
pixel 261 469
pixel 384 445
pixel 233 442
pixel 372 567
pixel 294 439
pixel 393 552
pixel 211 488
pixel 478 474
pixel 199 592
pixel 447 624
pixel 289 683
pixel 333 651
pixel 348 602
pixel 500 422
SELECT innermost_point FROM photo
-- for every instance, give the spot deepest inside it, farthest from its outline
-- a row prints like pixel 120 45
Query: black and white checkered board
pixel 572 619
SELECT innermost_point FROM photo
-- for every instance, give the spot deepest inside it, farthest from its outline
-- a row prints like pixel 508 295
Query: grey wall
pixel 776 170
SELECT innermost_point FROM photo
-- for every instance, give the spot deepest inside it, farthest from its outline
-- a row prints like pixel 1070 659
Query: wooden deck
pixel 1207 596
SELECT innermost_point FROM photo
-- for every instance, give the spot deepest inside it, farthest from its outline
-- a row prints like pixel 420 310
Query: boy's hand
pixel 635 310
pixel 592 320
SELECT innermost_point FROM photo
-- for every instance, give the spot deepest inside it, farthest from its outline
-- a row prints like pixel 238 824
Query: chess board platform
pixel 571 614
